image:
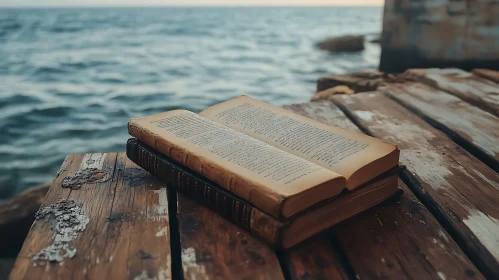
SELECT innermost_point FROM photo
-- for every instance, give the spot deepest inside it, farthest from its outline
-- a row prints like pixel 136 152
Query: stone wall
pixel 440 33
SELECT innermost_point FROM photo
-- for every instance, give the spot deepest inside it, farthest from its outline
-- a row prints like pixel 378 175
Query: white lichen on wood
pixel 68 223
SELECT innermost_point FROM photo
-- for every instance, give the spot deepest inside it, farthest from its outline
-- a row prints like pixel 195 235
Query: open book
pixel 280 162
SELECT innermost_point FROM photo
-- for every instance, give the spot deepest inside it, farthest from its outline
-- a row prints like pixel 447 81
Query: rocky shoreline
pixel 17 214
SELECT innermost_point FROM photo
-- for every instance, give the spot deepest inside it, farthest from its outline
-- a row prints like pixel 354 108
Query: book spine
pixel 207 193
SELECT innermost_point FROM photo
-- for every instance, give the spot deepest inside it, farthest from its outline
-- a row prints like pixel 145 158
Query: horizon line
pixel 185 6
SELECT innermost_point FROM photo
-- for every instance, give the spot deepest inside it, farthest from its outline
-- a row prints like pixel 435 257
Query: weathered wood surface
pixel 461 191
pixel 138 230
pixel 397 240
pixel 475 90
pixel 129 226
pixel 400 239
pixel 214 248
pixel 487 74
pixel 127 235
pixel 324 112
pixel 316 258
pixel 472 128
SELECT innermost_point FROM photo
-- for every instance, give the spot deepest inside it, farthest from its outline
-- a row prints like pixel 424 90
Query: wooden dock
pixel 116 221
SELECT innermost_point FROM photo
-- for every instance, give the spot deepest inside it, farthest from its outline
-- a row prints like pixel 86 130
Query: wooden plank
pixel 127 234
pixel 400 239
pixel 472 128
pixel 40 234
pixel 478 91
pixel 138 231
pixel 397 240
pixel 460 190
pixel 214 248
pixel 315 259
pixel 487 74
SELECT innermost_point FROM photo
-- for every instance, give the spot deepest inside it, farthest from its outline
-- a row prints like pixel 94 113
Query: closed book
pixel 282 233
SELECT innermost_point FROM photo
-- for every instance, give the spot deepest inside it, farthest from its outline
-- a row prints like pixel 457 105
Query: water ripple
pixel 71 78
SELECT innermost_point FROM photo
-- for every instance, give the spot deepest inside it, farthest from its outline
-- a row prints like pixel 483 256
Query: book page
pixel 237 148
pixel 218 152
pixel 336 149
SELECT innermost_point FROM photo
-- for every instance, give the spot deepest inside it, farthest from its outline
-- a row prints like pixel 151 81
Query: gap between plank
pixel 341 256
pixel 281 257
pixel 175 248
pixel 115 184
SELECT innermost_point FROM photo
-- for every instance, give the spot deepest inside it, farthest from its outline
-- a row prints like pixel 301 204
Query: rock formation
pixel 16 217
pixel 348 43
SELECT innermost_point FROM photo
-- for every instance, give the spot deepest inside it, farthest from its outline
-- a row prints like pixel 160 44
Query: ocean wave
pixel 66 29
pixel 9 101
pixel 47 70
pixel 8 27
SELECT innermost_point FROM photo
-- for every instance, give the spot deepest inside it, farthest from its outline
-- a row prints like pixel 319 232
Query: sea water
pixel 71 78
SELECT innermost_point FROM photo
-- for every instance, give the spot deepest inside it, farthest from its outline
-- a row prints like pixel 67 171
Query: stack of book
pixel 279 175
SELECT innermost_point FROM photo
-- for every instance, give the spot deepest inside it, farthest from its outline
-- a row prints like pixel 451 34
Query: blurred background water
pixel 71 78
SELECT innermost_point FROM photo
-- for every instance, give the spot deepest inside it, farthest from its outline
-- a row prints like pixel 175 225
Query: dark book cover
pixel 205 192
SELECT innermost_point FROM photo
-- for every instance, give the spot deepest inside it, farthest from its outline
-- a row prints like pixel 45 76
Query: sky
pixel 103 3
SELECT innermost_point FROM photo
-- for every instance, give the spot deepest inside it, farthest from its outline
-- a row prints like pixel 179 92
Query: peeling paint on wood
pixel 477 91
pixel 161 209
pixel 162 275
pixel 191 266
pixel 365 115
pixel 463 122
pixel 439 171
pixel 427 161
pixel 162 232
pixel 90 161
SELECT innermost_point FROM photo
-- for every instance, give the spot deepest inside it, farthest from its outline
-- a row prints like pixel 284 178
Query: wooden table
pixel 118 222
